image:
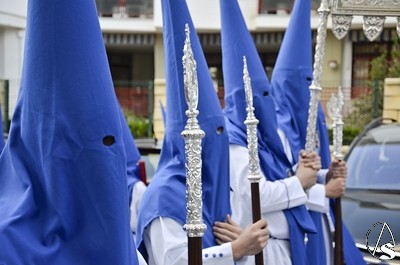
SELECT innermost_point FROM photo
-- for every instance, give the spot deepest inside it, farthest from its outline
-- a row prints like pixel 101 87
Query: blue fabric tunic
pixel 63 181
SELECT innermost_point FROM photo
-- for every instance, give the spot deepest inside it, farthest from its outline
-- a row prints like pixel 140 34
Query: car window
pixel 374 165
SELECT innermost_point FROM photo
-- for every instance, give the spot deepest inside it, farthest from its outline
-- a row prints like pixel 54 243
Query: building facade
pixel 132 32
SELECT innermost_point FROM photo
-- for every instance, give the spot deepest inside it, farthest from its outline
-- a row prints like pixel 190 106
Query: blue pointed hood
pixel 63 181
pixel 292 76
pixel 1 131
pixel 236 43
pixel 165 196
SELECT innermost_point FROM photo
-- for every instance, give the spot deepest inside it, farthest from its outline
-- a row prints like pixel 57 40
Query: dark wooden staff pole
pixel 195 250
pixel 338 233
pixel 256 208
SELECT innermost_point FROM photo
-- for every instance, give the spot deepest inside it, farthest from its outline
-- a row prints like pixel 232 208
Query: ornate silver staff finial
pixel 315 87
pixel 190 73
pixel 192 134
pixel 251 125
pixel 374 13
pixel 335 108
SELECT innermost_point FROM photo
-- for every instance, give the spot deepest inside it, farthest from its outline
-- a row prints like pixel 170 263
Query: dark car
pixel 371 204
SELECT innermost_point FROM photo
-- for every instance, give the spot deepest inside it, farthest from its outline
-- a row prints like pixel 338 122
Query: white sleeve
pixel 316 199
pixel 137 193
pixel 274 195
pixel 281 194
pixel 166 243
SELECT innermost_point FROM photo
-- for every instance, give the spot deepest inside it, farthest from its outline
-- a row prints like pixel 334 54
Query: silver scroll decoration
pixel 341 25
pixel 335 109
pixel 193 135
pixel 315 87
pixel 251 128
pixel 373 26
pixel 373 11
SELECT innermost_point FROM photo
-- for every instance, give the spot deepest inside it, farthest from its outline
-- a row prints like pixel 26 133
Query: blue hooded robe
pixel 166 194
pixel 236 43
pixel 63 183
pixel 291 78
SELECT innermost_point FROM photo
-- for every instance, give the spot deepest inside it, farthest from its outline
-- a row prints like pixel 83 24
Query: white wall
pixel 206 13
pixel 12 40
pixel 13 13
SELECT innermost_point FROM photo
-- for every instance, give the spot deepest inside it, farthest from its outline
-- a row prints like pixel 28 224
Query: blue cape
pixel 63 181
pixel 291 78
pixel 166 194
pixel 236 43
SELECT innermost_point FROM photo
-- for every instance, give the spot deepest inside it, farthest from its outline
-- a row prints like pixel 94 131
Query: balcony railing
pixel 125 8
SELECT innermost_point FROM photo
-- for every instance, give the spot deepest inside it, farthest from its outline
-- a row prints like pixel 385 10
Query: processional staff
pixel 252 145
pixel 192 134
pixel 335 107
pixel 315 91
pixel 374 14
pixel 315 87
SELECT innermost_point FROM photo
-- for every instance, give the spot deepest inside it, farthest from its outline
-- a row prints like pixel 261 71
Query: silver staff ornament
pixel 251 128
pixel 335 109
pixel 193 135
pixel 315 87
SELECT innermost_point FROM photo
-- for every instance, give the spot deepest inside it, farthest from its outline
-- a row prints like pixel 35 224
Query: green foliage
pixel 137 125
pixel 349 133
pixel 379 67
pixel 365 108
pixel 394 69
pixel 370 105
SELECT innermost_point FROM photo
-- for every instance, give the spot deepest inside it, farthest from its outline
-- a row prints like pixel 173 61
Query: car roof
pixel 377 124
pixel 385 133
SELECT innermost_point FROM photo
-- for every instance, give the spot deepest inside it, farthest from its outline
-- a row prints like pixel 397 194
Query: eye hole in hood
pixel 220 130
pixel 108 140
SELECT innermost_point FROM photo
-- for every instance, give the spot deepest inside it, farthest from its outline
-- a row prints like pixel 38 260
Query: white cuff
pixel 316 199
